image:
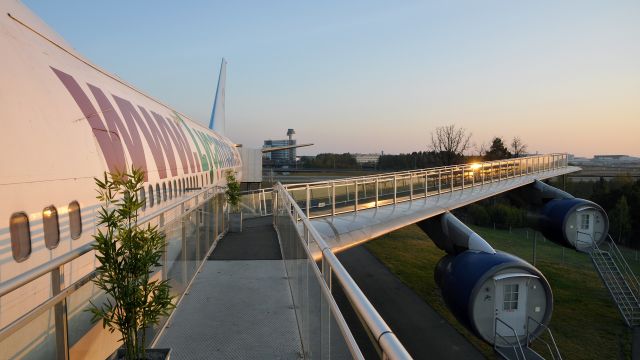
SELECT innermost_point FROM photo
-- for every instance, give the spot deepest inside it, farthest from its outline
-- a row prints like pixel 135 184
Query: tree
pixel 620 219
pixel 518 148
pixel 449 144
pixel 497 150
pixel 128 254
pixel 233 189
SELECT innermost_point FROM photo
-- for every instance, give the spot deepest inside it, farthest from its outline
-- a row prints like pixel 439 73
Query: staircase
pixel 509 349
pixel 619 279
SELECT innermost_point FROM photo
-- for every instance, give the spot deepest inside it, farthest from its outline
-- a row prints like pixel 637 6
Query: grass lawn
pixel 585 322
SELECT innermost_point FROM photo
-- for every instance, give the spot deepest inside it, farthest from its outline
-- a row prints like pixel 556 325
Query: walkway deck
pixel 240 306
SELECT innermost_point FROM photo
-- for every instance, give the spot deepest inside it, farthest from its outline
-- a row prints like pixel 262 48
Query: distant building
pixel 281 157
pixel 364 159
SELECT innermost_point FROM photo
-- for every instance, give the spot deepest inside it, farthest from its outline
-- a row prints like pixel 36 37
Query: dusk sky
pixel 371 76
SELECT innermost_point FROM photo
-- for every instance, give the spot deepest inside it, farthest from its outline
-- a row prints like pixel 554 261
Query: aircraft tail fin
pixel 217 122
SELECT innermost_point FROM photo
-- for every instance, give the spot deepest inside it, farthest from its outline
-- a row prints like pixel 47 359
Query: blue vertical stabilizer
pixel 217 122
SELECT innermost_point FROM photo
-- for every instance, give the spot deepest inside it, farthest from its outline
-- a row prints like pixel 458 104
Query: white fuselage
pixel 64 122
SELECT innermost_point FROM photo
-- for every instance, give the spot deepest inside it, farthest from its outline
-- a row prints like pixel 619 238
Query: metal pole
pixel 534 248
pixel 410 186
pixel 333 199
pixel 356 199
pixel 60 310
pixel 451 179
pixel 439 182
pixel 377 188
pixel 308 200
pixel 426 184
pixel 463 177
pixel 395 188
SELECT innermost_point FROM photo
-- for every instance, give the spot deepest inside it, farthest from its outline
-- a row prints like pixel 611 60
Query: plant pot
pixel 152 354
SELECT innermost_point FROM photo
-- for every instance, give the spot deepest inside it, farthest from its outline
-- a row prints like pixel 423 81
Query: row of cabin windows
pixel 21 233
pixel 169 191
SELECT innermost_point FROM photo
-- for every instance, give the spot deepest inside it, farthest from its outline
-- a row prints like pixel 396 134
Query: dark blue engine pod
pixel 576 223
pixel 479 287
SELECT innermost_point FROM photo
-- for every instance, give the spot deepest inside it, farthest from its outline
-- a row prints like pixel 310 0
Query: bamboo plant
pixel 128 254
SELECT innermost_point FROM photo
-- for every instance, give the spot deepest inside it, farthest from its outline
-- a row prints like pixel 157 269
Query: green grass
pixel 585 322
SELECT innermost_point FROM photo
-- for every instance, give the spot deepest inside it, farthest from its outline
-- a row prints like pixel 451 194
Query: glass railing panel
pixel 174 260
pixel 367 194
pixel 345 200
pixel 403 188
pixel 385 190
pixel 320 200
pixel 36 340
pixel 85 337
pixel 418 181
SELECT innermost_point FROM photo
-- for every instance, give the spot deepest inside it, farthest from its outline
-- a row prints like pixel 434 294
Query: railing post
pixel 308 200
pixel 60 310
pixel 395 188
pixel 333 199
pixel 426 184
pixel 452 175
pixel 439 182
pixel 356 197
pixel 499 170
pixel 377 188
pixel 482 173
pixel 410 186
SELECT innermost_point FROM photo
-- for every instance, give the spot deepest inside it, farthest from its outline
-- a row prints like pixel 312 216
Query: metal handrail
pixel 29 276
pixel 553 340
pixel 515 334
pixel 621 299
pixel 500 163
pixel 455 178
pixel 386 339
pixel 627 268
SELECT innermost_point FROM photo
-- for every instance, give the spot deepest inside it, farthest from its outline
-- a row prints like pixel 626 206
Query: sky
pixel 372 76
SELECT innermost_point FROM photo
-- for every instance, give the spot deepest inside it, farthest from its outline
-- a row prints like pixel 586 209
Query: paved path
pixel 239 306
pixel 423 332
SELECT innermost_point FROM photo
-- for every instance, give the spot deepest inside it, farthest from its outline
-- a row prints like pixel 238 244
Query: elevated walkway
pixel 240 305
pixel 352 211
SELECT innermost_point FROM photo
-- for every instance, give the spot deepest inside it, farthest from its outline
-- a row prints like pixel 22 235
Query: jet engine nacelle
pixel 576 223
pixel 499 297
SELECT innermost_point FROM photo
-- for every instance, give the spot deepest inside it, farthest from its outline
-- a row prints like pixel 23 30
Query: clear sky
pixel 366 76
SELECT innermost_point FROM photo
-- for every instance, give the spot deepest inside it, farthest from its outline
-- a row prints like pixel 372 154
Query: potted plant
pixel 128 255
pixel 233 199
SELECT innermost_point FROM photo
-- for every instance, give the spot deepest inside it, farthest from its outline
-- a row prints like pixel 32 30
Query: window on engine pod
pixel 20 236
pixel 584 222
pixel 75 220
pixel 50 227
pixel 510 297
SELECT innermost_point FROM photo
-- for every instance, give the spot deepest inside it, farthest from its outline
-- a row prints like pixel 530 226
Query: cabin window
pixel 150 196
pixel 164 191
pixel 510 297
pixel 158 195
pixel 143 198
pixel 51 227
pixel 584 221
pixel 20 236
pixel 75 220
